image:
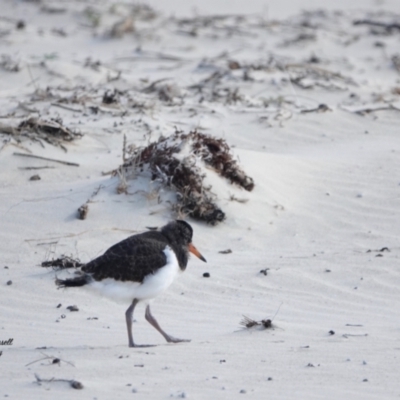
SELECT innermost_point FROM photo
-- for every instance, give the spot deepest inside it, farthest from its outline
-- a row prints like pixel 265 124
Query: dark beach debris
pixel 174 162
pixel 249 323
pixel 319 109
pixel 62 262
pixel 389 27
pixel 379 250
pixel 110 97
pixel 227 251
pixel 264 271
pixel 73 308
pixel 37 129
pixel 35 178
pixel 83 211
pixel 21 24
pixel 73 383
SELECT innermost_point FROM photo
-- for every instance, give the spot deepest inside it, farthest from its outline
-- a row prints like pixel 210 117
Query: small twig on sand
pixel 368 110
pixel 149 56
pixel 83 210
pixel 29 168
pixel 346 335
pixel 66 107
pixel 54 360
pixel 388 27
pixel 72 382
pixel 320 108
pixel 46 159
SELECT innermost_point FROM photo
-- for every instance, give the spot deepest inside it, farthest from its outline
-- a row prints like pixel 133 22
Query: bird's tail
pixel 81 280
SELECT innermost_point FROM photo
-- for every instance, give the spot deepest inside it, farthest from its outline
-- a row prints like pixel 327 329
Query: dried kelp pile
pixel 177 162
pixel 63 262
pixel 37 129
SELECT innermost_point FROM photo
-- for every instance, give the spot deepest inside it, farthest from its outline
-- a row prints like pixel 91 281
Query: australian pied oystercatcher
pixel 139 268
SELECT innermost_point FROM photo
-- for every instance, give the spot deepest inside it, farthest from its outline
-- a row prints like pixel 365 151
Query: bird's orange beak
pixel 194 251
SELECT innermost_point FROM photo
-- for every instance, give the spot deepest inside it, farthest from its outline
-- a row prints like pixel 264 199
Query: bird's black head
pixel 178 231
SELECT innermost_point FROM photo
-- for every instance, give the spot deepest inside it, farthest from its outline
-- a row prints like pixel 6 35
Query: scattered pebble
pixel 365 380
pixel 331 332
pixel 9 283
pixel 76 385
pixel 59 305
pixel 227 251
pixel 243 391
pixel 20 24
pixel 35 178
pixel 269 378
pixel 73 308
pixel 206 275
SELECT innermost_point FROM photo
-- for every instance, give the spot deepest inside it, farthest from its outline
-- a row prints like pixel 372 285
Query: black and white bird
pixel 139 268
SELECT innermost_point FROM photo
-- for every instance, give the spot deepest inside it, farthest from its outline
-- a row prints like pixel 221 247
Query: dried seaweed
pixel 184 175
pixel 249 323
pixel 52 131
pixel 63 262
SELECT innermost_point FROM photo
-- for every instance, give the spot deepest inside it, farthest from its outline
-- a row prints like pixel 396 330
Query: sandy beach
pixel 306 95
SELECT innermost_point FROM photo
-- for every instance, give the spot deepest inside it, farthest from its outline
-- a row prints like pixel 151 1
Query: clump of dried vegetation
pixel 174 161
pixel 249 323
pixel 62 262
pixel 37 129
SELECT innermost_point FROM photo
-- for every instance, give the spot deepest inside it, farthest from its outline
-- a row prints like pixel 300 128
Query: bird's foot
pixel 171 339
pixel 141 345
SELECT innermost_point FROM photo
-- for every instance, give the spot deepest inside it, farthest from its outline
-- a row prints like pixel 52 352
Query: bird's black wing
pixel 130 260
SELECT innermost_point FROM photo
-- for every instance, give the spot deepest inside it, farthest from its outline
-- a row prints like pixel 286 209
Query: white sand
pixel 327 191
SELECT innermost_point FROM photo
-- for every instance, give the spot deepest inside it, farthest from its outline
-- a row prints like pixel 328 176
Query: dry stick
pixel 32 79
pixel 388 27
pixel 367 110
pixel 56 237
pixel 46 357
pixel 72 382
pixel 65 107
pixel 29 168
pixel 47 159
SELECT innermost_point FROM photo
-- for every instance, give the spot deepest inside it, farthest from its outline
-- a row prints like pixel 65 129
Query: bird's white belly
pixel 152 286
